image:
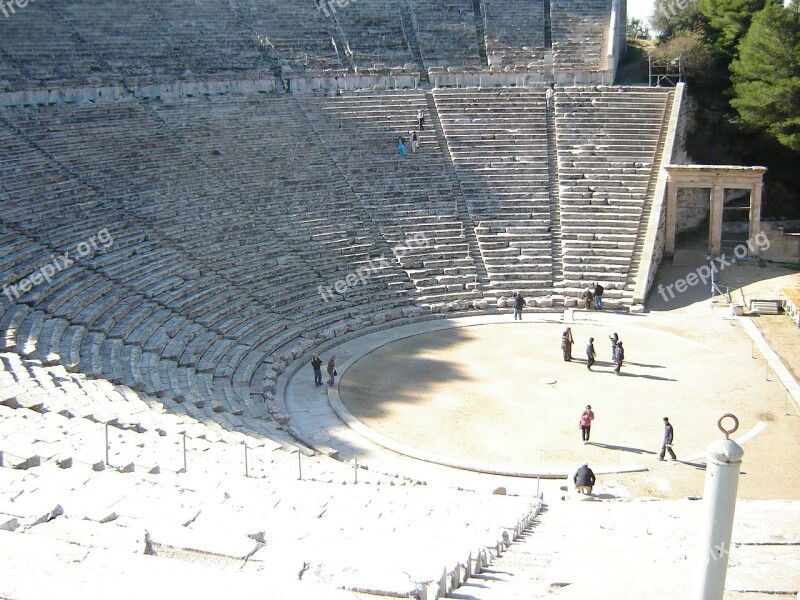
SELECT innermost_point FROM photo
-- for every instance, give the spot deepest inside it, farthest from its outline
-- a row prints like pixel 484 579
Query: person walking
pixel 584 479
pixel 519 302
pixel 414 142
pixel 332 369
pixel 316 364
pixel 614 339
pixel 587 416
pixel 566 344
pixel 421 119
pixel 401 146
pixel 548 95
pixel 666 446
pixel 598 296
pixel 590 353
pixel 619 356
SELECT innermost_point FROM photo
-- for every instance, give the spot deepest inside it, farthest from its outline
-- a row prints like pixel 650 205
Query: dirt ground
pixel 479 393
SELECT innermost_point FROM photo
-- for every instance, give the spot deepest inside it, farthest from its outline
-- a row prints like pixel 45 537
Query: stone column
pixel 671 217
pixel 755 212
pixel 715 226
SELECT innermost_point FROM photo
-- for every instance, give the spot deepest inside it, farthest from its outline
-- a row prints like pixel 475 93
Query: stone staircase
pixel 522 571
pixel 658 162
pixel 555 207
pixel 410 33
pixel 607 141
pixel 406 196
pixel 480 30
pixel 497 141
pixel 482 278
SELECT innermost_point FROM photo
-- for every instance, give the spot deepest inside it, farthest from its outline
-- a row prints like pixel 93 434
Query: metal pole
pixel 724 462
pixel 355 470
pixel 107 463
pixel 184 452
pixel 785 406
pixel 766 373
pixel 753 350
pixel 246 474
pixel 299 466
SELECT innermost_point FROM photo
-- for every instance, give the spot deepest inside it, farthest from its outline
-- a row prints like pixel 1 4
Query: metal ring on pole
pixel 728 432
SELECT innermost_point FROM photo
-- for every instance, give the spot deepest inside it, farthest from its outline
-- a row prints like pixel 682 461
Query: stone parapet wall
pixel 783 246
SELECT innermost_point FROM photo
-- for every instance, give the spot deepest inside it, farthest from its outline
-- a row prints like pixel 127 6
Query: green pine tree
pixel 729 20
pixel 766 75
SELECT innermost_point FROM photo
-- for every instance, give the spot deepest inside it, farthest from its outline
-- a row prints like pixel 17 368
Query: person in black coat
pixel 519 302
pixel 584 479
pixel 598 296
pixel 316 364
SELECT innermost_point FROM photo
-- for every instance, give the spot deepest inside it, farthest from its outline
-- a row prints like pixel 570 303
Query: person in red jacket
pixel 586 423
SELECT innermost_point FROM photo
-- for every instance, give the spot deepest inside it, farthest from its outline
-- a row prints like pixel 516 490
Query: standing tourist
pixel 332 369
pixel 566 344
pixel 598 296
pixel 316 364
pixel 587 416
pixel 614 339
pixel 619 356
pixel 548 95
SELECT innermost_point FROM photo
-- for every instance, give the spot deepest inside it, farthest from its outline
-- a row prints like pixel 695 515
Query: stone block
pixel 412 311
pixel 278 367
pixel 355 325
pixel 480 304
pixel 501 302
pixel 29 463
pixel 637 308
pixel 545 302
pixel 570 302
pixel 57 511
pixel 11 524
